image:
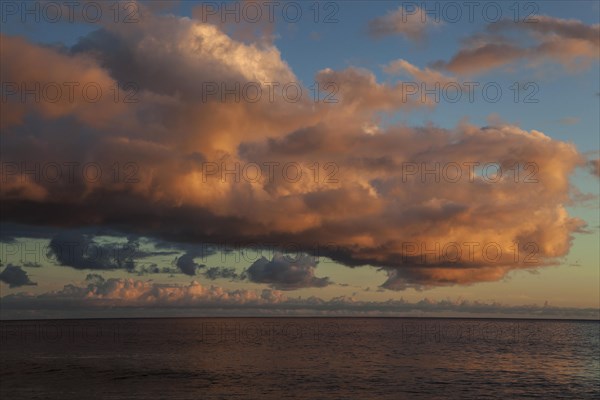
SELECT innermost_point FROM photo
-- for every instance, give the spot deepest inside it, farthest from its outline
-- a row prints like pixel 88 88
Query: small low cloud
pixel 594 166
pixel 569 121
pixel 81 251
pixel 31 264
pixel 409 21
pixel 230 273
pixel 187 264
pixel 14 276
pixel 285 273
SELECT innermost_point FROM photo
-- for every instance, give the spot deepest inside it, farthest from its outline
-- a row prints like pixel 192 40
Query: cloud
pixel 481 58
pixel 285 273
pixel 153 268
pixel 570 43
pixel 96 249
pixel 352 193
pixel 378 217
pixel 594 166
pixel 426 75
pixel 187 265
pixel 358 95
pixel 131 297
pixel 569 120
pixel 14 277
pixel 31 264
pixel 408 20
pixel 81 251
pixel 241 29
pixel 128 292
pixel 60 100
pixel 214 273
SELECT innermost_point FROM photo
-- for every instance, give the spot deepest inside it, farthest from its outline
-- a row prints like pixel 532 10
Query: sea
pixel 299 358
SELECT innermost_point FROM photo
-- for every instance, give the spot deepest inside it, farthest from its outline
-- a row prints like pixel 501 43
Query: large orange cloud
pixel 329 175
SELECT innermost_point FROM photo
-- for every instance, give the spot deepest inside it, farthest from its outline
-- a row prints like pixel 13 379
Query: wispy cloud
pixel 407 20
pixel 570 43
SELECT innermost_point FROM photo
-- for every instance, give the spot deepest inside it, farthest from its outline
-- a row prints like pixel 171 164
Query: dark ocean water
pixel 305 358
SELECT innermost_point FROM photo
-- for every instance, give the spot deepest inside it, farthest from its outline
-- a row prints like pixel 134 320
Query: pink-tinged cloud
pixel 570 43
pixel 65 87
pixel 408 20
pixel 595 166
pixel 426 75
pixel 146 298
pixel 367 205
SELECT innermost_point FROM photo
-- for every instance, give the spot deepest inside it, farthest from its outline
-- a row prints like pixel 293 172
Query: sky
pixel 325 158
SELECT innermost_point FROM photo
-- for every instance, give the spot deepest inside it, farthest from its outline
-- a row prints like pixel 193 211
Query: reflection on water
pixel 383 358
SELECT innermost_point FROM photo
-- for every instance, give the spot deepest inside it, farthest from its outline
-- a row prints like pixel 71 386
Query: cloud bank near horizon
pixel 97 293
